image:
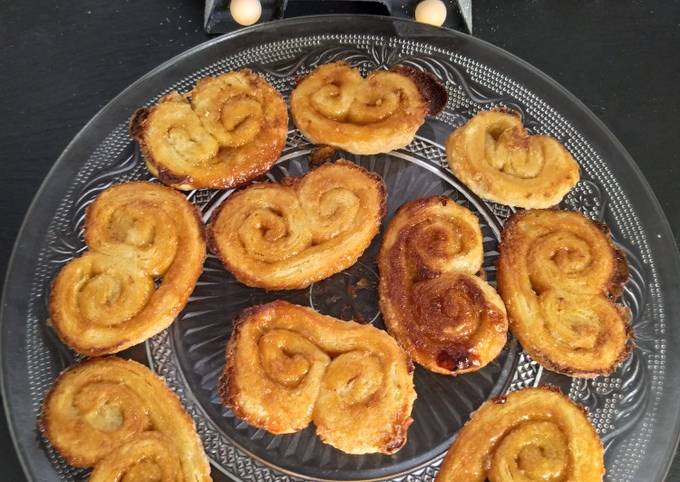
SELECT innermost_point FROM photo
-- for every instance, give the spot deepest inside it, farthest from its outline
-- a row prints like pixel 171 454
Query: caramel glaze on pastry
pixel 119 418
pixel 227 131
pixel 335 105
pixel 106 300
pixel 288 366
pixel 302 230
pixel 534 434
pixel 448 320
pixel 558 273
pixel 498 160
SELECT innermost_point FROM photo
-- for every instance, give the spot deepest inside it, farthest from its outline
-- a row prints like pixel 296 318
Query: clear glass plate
pixel 635 410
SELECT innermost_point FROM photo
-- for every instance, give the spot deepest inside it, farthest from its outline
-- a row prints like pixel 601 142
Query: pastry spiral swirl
pixel 534 434
pixel 448 320
pixel 106 300
pixel 227 131
pixel 336 106
pixel 292 234
pixel 288 366
pixel 557 273
pixel 119 418
pixel 498 160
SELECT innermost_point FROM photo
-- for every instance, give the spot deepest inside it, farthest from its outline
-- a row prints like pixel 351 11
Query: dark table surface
pixel 62 61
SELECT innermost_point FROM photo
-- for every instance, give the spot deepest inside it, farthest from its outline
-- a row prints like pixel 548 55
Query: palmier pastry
pixel 292 234
pixel 448 320
pixel 336 106
pixel 499 160
pixel 558 273
pixel 107 300
pixel 119 418
pixel 227 131
pixel 288 366
pixel 534 434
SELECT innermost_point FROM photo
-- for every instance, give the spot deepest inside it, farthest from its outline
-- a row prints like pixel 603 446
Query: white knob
pixel 431 11
pixel 245 12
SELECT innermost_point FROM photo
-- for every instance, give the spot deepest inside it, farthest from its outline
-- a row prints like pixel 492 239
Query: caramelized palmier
pixel 336 106
pixel 302 230
pixel 107 300
pixel 534 434
pixel 448 319
pixel 288 366
pixel 227 131
pixel 558 272
pixel 499 160
pixel 119 418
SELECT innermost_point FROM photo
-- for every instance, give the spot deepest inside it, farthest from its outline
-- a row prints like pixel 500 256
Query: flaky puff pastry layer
pixel 336 106
pixel 499 160
pixel 302 230
pixel 107 299
pixel 288 366
pixel 227 131
pixel 534 434
pixel 558 273
pixel 120 419
pixel 448 319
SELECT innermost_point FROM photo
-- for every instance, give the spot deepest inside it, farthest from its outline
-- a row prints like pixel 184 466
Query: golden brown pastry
pixel 558 272
pixel 106 300
pixel 227 131
pixel 119 418
pixel 499 160
pixel 534 434
pixel 335 105
pixel 288 366
pixel 448 319
pixel 292 234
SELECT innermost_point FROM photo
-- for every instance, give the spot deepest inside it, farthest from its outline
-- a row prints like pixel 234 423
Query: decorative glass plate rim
pixel 80 141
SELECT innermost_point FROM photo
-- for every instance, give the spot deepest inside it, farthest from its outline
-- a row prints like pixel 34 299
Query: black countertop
pixel 62 61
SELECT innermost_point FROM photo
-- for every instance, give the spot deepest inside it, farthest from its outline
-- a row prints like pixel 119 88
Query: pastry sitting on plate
pixel 534 434
pixel 121 420
pixel 291 234
pixel 109 298
pixel 558 273
pixel 334 105
pixel 288 366
pixel 448 319
pixel 227 131
pixel 499 160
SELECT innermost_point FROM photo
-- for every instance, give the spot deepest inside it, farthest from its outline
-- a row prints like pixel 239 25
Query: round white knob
pixel 245 12
pixel 431 11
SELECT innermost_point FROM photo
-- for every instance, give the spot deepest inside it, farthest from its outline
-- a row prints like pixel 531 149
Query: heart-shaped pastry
pixel 288 366
pixel 448 319
pixel 530 435
pixel 227 131
pixel 302 230
pixel 107 299
pixel 558 272
pixel 119 418
pixel 336 106
pixel 499 160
